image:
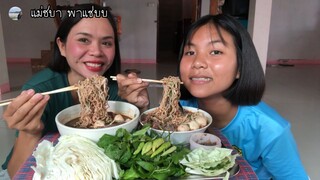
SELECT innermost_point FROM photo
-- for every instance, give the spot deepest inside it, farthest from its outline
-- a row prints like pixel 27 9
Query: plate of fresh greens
pixel 144 155
pixel 217 162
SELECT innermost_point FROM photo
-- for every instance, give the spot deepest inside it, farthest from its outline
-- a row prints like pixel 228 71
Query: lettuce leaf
pixel 209 162
pixel 73 157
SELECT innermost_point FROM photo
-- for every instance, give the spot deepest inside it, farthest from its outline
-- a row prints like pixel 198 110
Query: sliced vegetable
pixel 146 147
pixel 137 151
pixel 156 143
pixel 142 131
pixel 163 147
pixel 170 150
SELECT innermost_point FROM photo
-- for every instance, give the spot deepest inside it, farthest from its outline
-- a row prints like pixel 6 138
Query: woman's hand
pixel 134 90
pixel 25 111
pixel 24 114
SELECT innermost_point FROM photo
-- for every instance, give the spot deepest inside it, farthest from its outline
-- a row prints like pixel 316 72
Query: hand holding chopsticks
pixel 145 80
pixel 69 88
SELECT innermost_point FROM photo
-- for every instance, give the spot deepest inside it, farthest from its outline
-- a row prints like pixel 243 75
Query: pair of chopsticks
pixel 144 80
pixel 69 88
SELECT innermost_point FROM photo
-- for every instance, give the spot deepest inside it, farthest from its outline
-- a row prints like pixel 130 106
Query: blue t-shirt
pixel 265 141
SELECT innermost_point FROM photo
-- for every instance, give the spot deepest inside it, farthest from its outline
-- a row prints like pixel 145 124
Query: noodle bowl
pixel 93 97
pixel 179 137
pixel 95 115
pixel 117 107
pixel 169 115
pixel 170 118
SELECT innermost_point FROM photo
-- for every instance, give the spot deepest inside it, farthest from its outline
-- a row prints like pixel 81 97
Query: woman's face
pixel 208 66
pixel 89 49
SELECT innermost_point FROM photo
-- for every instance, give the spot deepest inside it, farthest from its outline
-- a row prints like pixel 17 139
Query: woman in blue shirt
pixel 220 68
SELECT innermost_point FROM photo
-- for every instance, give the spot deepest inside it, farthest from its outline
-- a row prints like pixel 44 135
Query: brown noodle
pixel 93 97
pixel 168 116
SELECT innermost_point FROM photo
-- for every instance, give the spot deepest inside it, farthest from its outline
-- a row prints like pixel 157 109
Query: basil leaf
pixel 146 165
pixel 125 157
pixel 130 174
pixel 113 151
pixel 160 176
pixel 106 139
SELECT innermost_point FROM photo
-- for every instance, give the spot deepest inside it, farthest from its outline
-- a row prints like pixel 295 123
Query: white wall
pixel 26 37
pixel 139 30
pixel 295 30
pixel 259 26
pixel 205 7
pixel 4 79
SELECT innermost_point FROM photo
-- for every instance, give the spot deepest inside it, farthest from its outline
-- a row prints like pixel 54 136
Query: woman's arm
pixel 24 114
pixel 23 148
pixel 281 158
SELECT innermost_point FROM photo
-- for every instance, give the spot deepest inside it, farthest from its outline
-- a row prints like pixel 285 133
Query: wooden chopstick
pixel 69 88
pixel 145 80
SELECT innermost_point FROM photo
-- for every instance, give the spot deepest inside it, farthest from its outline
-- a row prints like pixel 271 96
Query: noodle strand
pixel 93 97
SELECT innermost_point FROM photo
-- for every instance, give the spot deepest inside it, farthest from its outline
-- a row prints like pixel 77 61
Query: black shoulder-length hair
pixel 249 88
pixel 59 63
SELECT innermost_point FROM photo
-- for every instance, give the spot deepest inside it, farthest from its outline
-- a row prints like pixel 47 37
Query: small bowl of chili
pixel 204 140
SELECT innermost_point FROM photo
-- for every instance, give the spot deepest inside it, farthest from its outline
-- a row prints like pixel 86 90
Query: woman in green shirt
pixel 84 47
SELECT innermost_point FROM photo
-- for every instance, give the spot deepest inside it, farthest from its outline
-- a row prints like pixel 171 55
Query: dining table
pixel 244 171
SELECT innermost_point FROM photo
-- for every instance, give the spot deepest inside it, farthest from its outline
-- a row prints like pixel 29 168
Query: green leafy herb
pixel 126 149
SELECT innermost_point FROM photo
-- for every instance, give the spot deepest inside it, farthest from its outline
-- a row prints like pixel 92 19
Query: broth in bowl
pixel 117 120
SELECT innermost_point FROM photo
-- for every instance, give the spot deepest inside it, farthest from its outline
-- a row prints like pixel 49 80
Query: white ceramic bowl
pixel 73 112
pixel 181 137
pixel 204 140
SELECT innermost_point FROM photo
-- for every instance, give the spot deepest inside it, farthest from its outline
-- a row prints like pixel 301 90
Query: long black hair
pixel 59 62
pixel 249 88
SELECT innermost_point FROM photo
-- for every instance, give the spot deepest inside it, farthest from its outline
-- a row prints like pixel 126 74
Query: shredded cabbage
pixel 73 157
pixel 209 162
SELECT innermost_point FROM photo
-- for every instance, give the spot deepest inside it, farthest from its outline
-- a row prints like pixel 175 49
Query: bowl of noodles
pixel 95 115
pixel 177 129
pixel 172 121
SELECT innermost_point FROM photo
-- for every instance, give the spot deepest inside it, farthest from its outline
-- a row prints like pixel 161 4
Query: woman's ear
pixel 62 47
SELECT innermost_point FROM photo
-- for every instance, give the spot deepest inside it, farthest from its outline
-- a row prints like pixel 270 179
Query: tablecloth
pixel 245 170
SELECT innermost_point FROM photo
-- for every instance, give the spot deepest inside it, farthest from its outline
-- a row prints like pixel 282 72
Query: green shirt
pixel 48 80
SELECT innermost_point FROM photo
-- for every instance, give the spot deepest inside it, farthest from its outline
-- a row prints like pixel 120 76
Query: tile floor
pixel 293 91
